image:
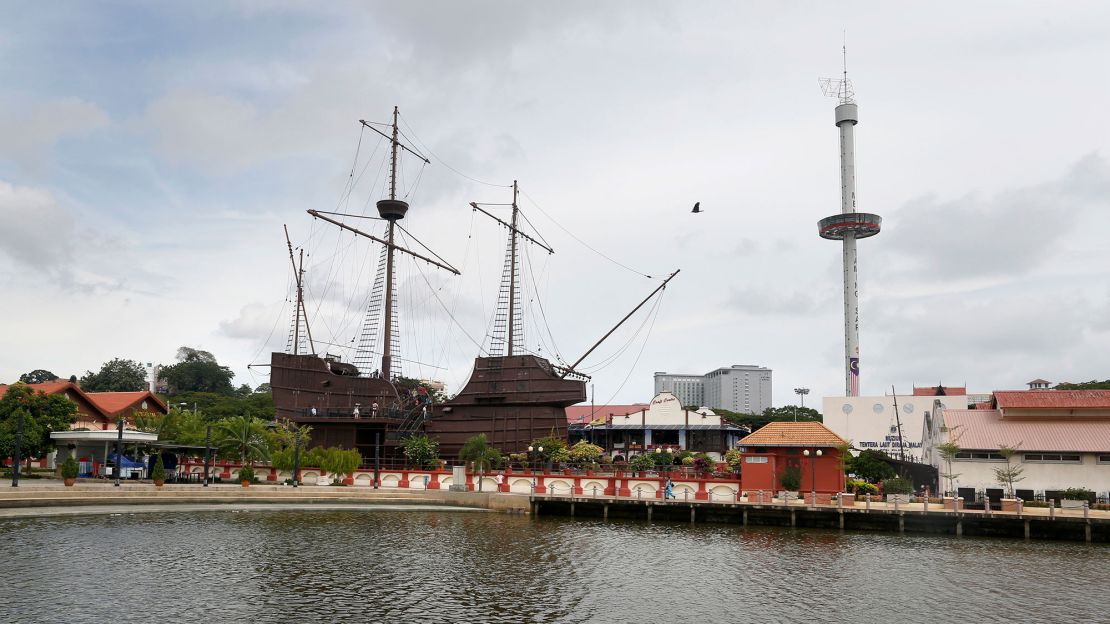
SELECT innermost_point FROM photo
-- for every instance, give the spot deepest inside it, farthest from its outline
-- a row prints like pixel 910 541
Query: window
pixel 755 460
pixel 1104 459
pixel 1071 458
pixel 983 456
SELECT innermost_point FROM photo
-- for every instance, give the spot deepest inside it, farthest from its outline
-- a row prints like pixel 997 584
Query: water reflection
pixel 357 566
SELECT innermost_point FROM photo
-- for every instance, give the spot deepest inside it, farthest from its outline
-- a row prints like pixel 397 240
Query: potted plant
pixel 1073 498
pixel 898 489
pixel 69 471
pixel 246 475
pixel 791 480
pixel 158 473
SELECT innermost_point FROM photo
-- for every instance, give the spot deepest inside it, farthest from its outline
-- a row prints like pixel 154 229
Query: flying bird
pixel 697 207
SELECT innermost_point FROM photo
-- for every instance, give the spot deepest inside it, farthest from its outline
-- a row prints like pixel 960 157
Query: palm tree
pixel 478 451
pixel 245 435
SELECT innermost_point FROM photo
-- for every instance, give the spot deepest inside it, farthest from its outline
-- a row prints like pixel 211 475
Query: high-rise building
pixel 737 388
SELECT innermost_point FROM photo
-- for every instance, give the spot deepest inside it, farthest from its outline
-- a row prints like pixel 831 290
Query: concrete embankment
pixel 27 498
pixel 1032 523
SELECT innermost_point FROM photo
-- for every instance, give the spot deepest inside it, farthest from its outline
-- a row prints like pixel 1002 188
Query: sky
pixel 151 153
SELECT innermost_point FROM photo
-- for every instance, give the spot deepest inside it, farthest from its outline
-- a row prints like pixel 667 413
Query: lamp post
pixel 813 472
pixel 801 392
pixel 535 453
pixel 377 458
pixel 207 451
pixel 16 459
pixel 119 448
pixel 297 457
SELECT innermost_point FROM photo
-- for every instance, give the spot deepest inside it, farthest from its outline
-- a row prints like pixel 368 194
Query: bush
pixel 663 459
pixel 585 454
pixel 1079 494
pixel 158 472
pixel 898 485
pixel 862 487
pixel 734 459
pixel 703 464
pixel 791 478
pixel 70 468
pixel 246 473
pixel 642 462
pixel 421 451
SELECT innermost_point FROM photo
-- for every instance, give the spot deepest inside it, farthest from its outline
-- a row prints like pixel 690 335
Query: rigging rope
pixel 416 139
pixel 582 242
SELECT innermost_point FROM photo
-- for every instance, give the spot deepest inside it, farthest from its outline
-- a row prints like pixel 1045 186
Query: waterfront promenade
pixel 48 497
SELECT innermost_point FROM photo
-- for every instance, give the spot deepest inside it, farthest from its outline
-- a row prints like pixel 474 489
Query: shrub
pixel 1079 494
pixel 663 459
pixel 70 468
pixel 158 472
pixel 421 451
pixel 862 487
pixel 734 459
pixel 643 461
pixel 791 478
pixel 246 473
pixel 703 464
pixel 898 485
pixel 584 454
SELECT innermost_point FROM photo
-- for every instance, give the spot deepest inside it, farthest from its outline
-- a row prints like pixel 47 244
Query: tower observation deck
pixel 848 226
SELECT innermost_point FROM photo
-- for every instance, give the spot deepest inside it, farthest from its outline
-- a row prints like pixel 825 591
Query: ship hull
pixel 512 400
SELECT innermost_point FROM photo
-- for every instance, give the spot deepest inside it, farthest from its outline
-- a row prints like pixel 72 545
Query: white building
pixel 737 388
pixel 871 423
pixel 664 424
pixel 1061 440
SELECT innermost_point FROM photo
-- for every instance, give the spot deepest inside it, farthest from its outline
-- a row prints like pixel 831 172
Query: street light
pixel 119 448
pixel 801 392
pixel 18 441
pixel 813 472
pixel 535 453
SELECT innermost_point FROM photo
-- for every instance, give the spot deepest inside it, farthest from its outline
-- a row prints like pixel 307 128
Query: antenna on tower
pixel 840 88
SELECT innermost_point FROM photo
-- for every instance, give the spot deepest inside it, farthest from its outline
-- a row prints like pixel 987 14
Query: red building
pixel 810 446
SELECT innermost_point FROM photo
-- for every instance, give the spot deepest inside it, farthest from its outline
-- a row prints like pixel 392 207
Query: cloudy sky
pixel 150 154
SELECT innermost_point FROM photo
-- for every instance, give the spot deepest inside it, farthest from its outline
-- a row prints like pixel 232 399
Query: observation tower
pixel 849 225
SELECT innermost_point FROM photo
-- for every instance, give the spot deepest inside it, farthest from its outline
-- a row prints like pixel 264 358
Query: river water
pixel 265 565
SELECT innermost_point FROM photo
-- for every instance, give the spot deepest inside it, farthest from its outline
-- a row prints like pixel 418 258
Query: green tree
pixel 263 388
pixel 242 436
pixel 198 371
pixel 791 478
pixel 340 463
pixel 948 452
pixel 421 451
pixel 872 466
pixel 42 415
pixel 585 454
pixel 477 451
pixel 1086 385
pixel 769 415
pixel 117 375
pixel 37 376
pixel 1011 472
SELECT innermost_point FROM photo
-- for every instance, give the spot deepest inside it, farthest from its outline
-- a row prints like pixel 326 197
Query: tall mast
pixel 511 261
pixel 512 273
pixel 387 333
pixel 298 273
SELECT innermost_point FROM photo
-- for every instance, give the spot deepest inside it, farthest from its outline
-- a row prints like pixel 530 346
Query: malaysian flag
pixel 853 379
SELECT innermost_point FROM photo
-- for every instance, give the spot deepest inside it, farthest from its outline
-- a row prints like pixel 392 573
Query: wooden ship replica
pixel 512 397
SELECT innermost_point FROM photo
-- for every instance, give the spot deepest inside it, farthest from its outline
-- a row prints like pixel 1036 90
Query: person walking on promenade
pixel 499 479
pixel 668 491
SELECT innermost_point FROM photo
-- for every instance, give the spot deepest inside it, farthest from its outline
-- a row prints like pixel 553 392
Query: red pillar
pixel 702 493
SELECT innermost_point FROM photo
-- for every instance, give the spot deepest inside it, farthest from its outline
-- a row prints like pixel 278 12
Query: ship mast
pixel 391 210
pixel 511 261
pixel 298 273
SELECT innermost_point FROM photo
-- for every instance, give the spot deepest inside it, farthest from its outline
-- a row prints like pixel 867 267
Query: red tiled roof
pixel 987 430
pixel 1052 399
pixel 793 434
pixel 581 414
pixel 47 387
pixel 932 390
pixel 112 403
